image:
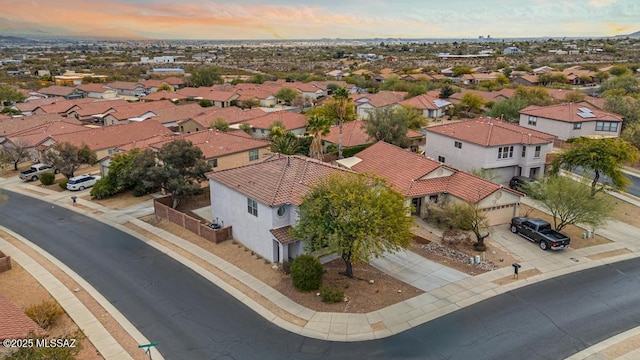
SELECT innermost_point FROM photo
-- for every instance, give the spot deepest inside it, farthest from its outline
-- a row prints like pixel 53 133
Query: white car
pixel 82 182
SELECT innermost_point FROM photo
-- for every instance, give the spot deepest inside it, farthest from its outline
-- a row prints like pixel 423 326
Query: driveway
pixel 416 270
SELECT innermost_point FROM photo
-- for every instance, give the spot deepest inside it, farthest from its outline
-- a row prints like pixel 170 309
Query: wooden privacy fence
pixel 164 210
pixel 5 262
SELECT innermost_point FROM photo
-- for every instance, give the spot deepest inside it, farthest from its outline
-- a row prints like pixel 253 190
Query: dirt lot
pixel 363 296
pixel 574 232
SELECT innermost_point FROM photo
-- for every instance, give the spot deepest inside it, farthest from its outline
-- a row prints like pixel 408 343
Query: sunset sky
pixel 304 19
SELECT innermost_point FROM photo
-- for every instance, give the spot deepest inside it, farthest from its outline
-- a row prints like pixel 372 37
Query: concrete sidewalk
pixel 445 291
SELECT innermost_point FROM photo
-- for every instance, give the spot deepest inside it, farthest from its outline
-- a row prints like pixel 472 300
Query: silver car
pixel 82 182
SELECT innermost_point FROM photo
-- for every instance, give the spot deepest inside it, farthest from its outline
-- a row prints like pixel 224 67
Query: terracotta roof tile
pixel 96 88
pixel 290 120
pixel 215 143
pixel 124 85
pixel 568 112
pixel 491 132
pixel 177 113
pixel 32 104
pixel 13 125
pixel 132 110
pixel 160 95
pixel 282 234
pixel 15 324
pixel 276 180
pixel 425 102
pixel 37 134
pixel 57 90
pixel 114 136
pixel 231 114
pixel 98 107
pixel 63 106
pixel 379 99
pixel 354 134
pixel 406 172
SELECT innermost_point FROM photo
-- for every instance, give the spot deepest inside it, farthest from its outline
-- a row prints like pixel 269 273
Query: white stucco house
pixel 428 184
pixel 571 120
pixel 490 144
pixel 260 201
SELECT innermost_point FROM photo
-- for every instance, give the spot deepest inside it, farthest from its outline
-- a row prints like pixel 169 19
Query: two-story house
pixel 261 200
pixel 570 120
pixel 489 144
pixel 430 106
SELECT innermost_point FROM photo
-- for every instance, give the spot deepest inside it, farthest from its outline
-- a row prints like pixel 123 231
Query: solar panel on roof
pixel 584 109
pixel 586 115
pixel 441 103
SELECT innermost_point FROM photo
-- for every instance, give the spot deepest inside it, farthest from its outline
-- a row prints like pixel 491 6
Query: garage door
pixel 498 215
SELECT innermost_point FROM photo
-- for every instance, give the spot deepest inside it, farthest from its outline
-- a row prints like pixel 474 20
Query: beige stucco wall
pixel 190 126
pixel 239 159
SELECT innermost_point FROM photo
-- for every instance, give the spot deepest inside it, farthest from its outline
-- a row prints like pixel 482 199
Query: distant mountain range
pixel 634 35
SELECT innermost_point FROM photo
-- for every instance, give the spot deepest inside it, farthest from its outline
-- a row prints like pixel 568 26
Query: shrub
pixel 58 352
pixel 47 178
pixel 63 184
pixel 102 189
pixel 44 314
pixel 331 295
pixel 306 273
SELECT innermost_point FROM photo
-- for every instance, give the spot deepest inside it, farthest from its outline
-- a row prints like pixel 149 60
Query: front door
pixel 417 205
pixel 276 251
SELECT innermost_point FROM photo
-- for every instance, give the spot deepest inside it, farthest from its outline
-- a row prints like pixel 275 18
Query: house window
pixel 213 163
pixel 441 159
pixel 524 151
pixel 253 155
pixel 110 151
pixel 282 210
pixel 433 199
pixel 505 152
pixel 457 144
pixel 252 207
pixel 536 154
pixel 533 120
pixel 577 126
pixel 606 126
pixel 261 131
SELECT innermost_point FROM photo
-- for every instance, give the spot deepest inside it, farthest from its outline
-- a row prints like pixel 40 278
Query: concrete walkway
pixel 444 291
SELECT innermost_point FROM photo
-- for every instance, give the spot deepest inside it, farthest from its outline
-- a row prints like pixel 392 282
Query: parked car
pixel 33 173
pixel 82 182
pixel 522 183
pixel 539 231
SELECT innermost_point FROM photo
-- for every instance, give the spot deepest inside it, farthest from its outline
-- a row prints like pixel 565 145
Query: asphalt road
pixel 192 319
pixel 633 189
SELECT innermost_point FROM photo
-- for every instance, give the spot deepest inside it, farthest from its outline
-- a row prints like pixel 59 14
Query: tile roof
pixel 98 107
pixel 491 132
pixel 113 136
pixel 405 171
pixel 215 143
pixel 56 90
pixel 32 104
pixel 173 80
pixel 231 114
pixel 15 324
pixel 354 134
pixel 97 88
pixel 425 102
pixel 13 125
pixel 561 94
pixel 64 105
pixel 124 85
pixel 276 180
pixel 177 113
pixel 131 110
pixel 145 143
pixel 282 234
pixel 290 120
pixel 485 95
pixel 568 112
pixel 160 95
pixel 379 99
pixel 35 135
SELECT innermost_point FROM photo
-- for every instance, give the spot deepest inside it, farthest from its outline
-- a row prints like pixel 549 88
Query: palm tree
pixel 318 126
pixel 288 144
pixel 341 96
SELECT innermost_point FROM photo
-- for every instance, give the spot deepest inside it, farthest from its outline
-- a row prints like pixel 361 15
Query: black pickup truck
pixel 539 231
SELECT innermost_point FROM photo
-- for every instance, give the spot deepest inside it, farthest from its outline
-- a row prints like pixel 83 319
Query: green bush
pixel 102 189
pixel 57 353
pixel 306 273
pixel 63 184
pixel 47 178
pixel 331 295
pixel 44 314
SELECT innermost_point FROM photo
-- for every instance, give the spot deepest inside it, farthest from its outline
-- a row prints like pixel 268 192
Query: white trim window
pixel 533 120
pixel 252 207
pixel 536 154
pixel 505 152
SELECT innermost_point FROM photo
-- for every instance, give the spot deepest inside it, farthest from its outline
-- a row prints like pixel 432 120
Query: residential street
pixel 191 318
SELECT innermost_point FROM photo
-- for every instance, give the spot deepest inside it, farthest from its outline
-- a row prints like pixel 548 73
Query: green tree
pixel 276 130
pixel 287 144
pixel 69 158
pixel 619 70
pixel 181 170
pixel 245 127
pixel 414 118
pixel 287 95
pixel 460 70
pixel 446 91
pixel 342 103
pixel 205 76
pixel 571 202
pixel 317 126
pixel 355 217
pixel 631 134
pixel 389 125
pixel 165 87
pixel 470 217
pixel 626 106
pixel 472 103
pixel 9 94
pixel 220 124
pixel 630 84
pixel 534 95
pixel 553 78
pixel 602 157
pixel 508 109
pixel 574 96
